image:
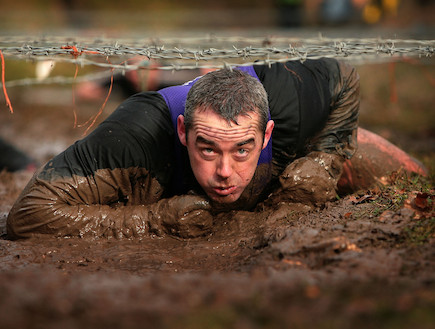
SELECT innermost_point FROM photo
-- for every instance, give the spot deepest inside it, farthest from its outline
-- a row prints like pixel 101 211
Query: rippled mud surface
pixel 274 268
pixel 366 260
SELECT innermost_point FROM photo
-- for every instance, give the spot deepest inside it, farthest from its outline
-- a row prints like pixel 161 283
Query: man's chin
pixel 228 203
pixel 220 199
pixel 246 200
pixel 228 199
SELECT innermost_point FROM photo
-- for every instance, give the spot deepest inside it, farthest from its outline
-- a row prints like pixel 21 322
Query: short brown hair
pixel 229 93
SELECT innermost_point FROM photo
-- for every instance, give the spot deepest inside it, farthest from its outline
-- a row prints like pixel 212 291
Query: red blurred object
pixel 375 158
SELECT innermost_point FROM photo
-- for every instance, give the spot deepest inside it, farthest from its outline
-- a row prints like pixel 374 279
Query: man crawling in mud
pixel 164 162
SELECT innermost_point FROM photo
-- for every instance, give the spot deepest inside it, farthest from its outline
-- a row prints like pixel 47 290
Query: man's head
pixel 225 127
pixel 229 93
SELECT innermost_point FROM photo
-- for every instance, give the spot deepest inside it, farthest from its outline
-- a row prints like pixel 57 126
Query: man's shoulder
pixel 142 108
pixel 297 67
pixel 144 97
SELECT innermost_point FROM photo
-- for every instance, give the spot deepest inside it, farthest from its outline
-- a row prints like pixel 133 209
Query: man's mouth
pixel 224 190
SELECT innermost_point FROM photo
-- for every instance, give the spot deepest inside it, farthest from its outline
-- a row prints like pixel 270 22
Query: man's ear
pixel 181 130
pixel 268 132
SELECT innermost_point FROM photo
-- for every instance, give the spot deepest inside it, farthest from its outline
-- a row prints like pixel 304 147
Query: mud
pixel 364 260
pixel 253 268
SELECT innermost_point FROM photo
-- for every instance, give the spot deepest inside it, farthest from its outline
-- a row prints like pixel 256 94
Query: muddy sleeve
pixel 59 209
pixel 315 106
pixel 105 184
pixel 313 178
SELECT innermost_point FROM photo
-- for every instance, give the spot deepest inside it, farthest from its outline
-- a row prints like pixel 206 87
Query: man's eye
pixel 208 151
pixel 242 152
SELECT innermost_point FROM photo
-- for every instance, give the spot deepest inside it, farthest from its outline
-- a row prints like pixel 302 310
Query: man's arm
pixel 312 179
pixel 110 183
pixel 339 135
pixel 60 209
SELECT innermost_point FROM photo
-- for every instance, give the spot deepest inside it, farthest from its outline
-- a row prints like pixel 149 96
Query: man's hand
pixel 310 180
pixel 186 216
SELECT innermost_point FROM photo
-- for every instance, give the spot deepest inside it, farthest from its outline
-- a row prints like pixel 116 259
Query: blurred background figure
pixel 290 13
pixel 12 159
pixel 337 11
pixel 372 11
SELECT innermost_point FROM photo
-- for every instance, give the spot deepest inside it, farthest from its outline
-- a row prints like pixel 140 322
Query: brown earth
pixel 363 261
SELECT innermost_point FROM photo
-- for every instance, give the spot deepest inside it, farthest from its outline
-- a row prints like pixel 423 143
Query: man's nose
pixel 224 167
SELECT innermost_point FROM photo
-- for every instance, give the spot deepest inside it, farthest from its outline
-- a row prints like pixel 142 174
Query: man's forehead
pixel 213 119
pixel 213 127
pixel 235 130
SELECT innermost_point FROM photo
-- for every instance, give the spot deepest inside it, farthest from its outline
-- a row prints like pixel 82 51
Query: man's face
pixel 224 155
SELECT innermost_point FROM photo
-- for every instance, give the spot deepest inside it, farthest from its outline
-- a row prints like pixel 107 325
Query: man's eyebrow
pixel 248 141
pixel 200 139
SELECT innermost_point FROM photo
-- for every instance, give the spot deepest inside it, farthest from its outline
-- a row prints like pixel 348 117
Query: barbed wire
pixel 183 48
pixel 208 52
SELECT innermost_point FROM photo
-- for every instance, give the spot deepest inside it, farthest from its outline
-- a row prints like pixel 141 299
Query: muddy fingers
pixel 310 180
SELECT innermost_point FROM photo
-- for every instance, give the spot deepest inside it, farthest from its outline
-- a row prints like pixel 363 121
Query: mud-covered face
pixel 224 155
